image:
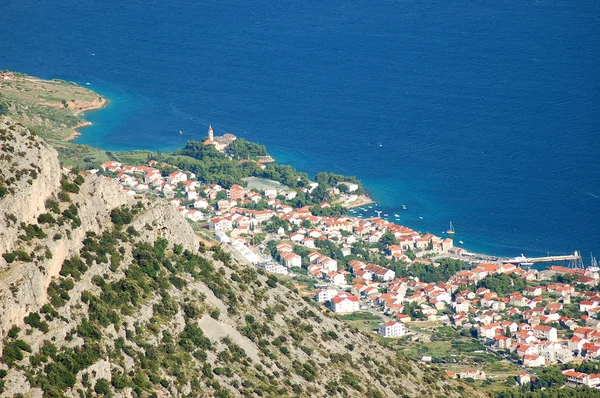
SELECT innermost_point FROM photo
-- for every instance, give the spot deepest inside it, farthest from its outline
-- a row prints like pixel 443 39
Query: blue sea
pixel 485 114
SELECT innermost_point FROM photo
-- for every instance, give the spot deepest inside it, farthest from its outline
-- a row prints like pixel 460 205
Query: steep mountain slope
pixel 102 293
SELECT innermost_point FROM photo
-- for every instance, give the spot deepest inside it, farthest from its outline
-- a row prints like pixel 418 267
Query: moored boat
pixel 451 230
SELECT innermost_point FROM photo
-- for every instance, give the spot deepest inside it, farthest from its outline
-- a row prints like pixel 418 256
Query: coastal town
pixel 413 283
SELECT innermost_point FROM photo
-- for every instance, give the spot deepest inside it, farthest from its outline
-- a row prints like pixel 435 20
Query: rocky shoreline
pixel 79 108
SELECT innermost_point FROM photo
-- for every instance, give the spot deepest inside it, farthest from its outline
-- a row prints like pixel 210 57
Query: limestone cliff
pixel 29 170
pixel 31 176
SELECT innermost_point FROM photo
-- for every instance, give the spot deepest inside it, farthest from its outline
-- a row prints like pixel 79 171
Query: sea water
pixel 480 113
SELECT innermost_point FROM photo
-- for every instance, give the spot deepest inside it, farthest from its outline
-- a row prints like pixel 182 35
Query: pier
pixel 575 258
pixel 549 259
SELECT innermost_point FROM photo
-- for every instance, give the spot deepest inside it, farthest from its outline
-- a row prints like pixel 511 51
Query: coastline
pixel 87 107
pixel 362 200
pixel 99 102
pixel 77 133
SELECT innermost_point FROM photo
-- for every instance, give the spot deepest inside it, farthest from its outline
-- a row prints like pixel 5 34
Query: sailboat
pixel 594 263
pixel 451 230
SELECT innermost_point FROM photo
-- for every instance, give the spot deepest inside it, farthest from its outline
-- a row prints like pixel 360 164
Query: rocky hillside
pixel 105 294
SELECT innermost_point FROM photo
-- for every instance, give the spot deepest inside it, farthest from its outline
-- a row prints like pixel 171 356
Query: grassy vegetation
pixel 47 107
pixel 80 156
pixel 131 157
pixel 364 321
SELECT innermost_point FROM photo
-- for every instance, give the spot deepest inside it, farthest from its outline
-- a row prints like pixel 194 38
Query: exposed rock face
pixel 33 164
pixel 23 285
pixel 161 219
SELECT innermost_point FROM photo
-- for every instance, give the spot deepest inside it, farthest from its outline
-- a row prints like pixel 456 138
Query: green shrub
pixel 74 267
pixel 31 231
pixel 46 218
pixel 17 255
pixel 53 206
pixel 35 320
pixel 68 186
pixel 102 387
pixel 64 197
pixel 13 332
pixel 121 216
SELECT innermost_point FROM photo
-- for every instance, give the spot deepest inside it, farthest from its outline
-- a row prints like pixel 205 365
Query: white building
pixel 557 354
pixel 325 295
pixel 345 303
pixel 273 267
pixel 200 204
pixel 194 215
pixel 533 361
pixel 291 259
pixel 545 332
pixel 271 193
pixel 222 237
pixel 392 329
pixel 220 224
pixel 176 176
pixel 191 194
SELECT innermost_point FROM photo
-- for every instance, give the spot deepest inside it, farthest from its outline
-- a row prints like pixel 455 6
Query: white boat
pixel 396 215
pixel 461 242
pixel 521 260
pixel 403 207
pixel 385 215
pixel 451 230
pixel 420 218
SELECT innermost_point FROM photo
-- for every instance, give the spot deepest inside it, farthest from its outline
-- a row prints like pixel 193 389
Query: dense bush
pixel 46 218
pixel 73 267
pixel 121 216
pixel 17 255
pixel 53 206
pixel 429 273
pixel 64 197
pixel 31 231
pixel 503 284
pixel 35 320
pixel 68 186
pixel 13 351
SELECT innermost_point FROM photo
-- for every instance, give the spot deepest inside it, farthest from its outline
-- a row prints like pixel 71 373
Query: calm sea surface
pixel 483 113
